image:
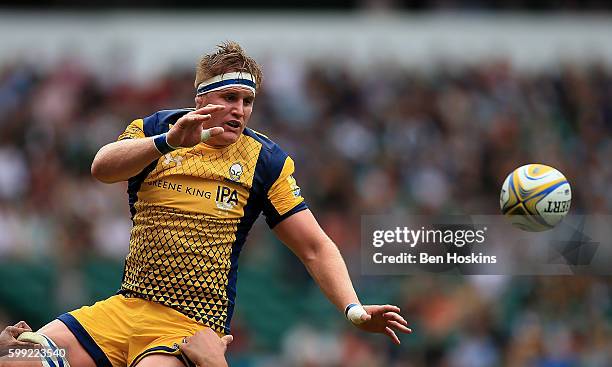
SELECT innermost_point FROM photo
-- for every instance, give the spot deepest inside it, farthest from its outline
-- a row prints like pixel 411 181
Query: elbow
pixel 316 249
pixel 323 250
pixel 310 257
pixel 99 172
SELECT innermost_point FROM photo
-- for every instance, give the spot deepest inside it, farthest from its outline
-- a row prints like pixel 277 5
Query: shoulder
pixel 272 159
pixel 271 153
pixel 160 121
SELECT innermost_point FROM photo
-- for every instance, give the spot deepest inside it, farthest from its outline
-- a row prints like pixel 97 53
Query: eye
pixel 230 97
pixel 248 101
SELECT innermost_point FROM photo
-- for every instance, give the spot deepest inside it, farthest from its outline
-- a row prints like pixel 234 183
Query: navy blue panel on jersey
pixel 159 122
pixel 252 209
pixel 274 158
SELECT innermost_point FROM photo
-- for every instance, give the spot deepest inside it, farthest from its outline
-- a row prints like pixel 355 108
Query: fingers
pixel 214 131
pixel 390 308
pixel 208 109
pixel 23 325
pixel 395 317
pixel 379 309
pixel 397 321
pixel 209 133
pixel 200 115
pixel 400 327
pixel 191 119
pixel 227 339
pixel 392 335
pixel 16 331
pixel 25 344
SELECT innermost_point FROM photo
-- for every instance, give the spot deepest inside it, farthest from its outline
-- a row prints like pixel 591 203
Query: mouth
pixel 233 124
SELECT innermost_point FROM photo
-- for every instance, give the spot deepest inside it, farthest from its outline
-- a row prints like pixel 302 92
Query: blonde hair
pixel 229 57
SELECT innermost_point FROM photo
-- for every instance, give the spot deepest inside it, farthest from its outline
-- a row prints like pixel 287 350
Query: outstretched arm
pixel 120 160
pixel 303 235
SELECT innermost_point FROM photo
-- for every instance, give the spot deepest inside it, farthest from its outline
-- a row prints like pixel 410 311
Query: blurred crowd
pixel 413 5
pixel 386 140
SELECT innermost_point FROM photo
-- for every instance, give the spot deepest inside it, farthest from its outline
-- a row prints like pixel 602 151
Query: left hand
pixel 384 319
pixel 8 337
pixel 205 348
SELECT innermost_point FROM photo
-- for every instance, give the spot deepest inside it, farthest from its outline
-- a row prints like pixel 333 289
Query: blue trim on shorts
pixel 60 360
pixel 186 360
pixel 160 348
pixel 85 340
pixel 50 362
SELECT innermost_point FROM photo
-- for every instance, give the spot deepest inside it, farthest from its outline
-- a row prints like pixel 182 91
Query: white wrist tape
pixel 205 135
pixel 355 312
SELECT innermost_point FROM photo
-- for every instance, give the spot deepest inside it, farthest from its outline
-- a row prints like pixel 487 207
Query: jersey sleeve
pixel 135 130
pixel 284 197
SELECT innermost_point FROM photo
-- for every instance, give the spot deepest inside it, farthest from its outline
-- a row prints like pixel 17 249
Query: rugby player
pixel 198 178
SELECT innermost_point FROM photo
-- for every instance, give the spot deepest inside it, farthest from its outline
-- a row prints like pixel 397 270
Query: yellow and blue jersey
pixel 192 210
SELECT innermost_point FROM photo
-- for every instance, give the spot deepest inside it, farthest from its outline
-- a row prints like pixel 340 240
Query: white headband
pixel 222 81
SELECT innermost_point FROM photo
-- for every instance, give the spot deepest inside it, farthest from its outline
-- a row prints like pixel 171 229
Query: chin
pixel 224 139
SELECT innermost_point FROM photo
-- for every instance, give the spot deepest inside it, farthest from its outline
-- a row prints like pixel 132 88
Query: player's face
pixel 238 102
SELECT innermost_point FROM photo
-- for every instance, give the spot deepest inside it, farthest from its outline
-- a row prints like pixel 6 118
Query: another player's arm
pixel 206 349
pixel 303 235
pixel 8 337
pixel 120 160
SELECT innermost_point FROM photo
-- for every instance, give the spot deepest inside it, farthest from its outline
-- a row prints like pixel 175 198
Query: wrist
pixel 354 313
pixel 212 361
pixel 162 145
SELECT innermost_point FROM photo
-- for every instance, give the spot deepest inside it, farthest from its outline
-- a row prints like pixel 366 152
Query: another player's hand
pixel 384 319
pixel 187 131
pixel 205 348
pixel 8 337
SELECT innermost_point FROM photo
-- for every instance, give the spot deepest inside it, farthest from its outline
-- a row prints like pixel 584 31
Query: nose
pixel 238 110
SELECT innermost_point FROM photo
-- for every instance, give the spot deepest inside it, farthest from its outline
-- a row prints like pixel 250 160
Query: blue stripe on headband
pixel 205 88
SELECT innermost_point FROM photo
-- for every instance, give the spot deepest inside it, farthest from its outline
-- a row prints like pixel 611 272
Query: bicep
pixel 302 234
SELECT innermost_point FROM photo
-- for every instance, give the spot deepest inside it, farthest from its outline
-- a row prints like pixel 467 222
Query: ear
pixel 200 101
